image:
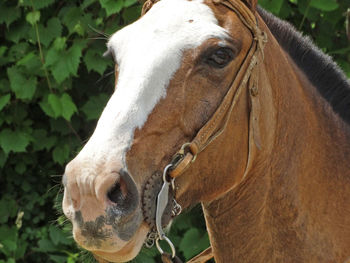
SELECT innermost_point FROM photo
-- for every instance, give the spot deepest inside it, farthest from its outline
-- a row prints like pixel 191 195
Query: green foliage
pixel 54 84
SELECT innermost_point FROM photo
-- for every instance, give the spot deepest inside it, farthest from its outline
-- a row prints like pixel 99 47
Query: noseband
pixel 247 76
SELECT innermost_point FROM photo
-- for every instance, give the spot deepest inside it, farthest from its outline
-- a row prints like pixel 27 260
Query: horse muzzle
pixel 104 209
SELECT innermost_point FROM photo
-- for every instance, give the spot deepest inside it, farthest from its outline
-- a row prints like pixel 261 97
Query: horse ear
pixel 251 4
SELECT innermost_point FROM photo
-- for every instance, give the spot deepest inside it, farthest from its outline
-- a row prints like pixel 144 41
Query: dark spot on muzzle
pixel 93 230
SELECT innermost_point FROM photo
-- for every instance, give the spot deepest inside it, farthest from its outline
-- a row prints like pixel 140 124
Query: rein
pixel 246 76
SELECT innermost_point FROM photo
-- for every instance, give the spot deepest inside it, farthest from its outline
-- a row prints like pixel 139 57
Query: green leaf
pixel 18 32
pixel 8 233
pixel 23 61
pixel 79 29
pixel 21 249
pixel 68 106
pixel 59 106
pixel 58 259
pixel 94 106
pixel 60 71
pixel 94 61
pixel 274 6
pixel 345 65
pixel 4 100
pixel 52 56
pixel 324 5
pixel 31 62
pixel 6 209
pixel 42 140
pixel 8 238
pixel 3 59
pixel 15 141
pixel 37 4
pixel 33 17
pixel 112 6
pixel 9 14
pixel 9 245
pixel 131 13
pixel 73 57
pixel 72 17
pixel 55 103
pixel 87 3
pixel 65 63
pixel 193 242
pixel 45 106
pixel 18 51
pixel 3 158
pixel 61 153
pixel 45 245
pixel 57 236
pixel 23 87
pixel 51 31
pixel 128 3
pixel 60 43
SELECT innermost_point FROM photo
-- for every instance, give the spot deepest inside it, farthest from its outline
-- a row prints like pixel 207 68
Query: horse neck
pixel 286 202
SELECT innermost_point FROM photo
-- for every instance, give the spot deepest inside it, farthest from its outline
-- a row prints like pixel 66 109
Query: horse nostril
pixel 117 194
pixel 123 196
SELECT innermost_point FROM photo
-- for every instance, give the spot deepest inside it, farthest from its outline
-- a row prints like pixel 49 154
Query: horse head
pixel 174 68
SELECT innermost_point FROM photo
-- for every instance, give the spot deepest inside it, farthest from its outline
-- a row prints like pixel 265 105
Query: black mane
pixel 319 68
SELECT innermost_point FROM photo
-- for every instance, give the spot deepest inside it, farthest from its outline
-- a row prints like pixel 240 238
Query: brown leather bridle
pixel 247 76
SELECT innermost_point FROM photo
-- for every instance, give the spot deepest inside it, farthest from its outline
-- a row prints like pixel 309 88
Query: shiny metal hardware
pixel 151 239
pixel 177 209
pixel 171 245
pixel 162 201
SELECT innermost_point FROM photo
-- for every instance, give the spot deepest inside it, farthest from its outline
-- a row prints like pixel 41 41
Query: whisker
pixel 98 31
pixel 104 76
pixel 57 185
pixel 56 175
pixel 97 38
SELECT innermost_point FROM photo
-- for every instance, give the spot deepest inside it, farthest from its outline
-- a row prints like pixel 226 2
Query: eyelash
pixel 213 56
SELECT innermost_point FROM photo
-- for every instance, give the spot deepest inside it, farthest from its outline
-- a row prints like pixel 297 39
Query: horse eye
pixel 220 57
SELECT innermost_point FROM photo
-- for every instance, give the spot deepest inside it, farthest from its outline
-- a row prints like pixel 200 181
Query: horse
pixel 220 103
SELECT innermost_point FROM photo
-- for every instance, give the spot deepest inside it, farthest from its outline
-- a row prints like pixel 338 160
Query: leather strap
pixel 166 258
pixel 218 122
pixel 202 257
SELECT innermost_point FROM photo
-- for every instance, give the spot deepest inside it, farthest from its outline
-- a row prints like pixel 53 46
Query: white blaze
pixel 148 53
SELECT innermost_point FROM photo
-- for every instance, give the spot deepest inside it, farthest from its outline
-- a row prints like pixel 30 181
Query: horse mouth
pixel 126 252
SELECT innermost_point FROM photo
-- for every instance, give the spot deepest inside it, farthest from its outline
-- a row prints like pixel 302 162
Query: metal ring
pixel 150 239
pixel 183 147
pixel 171 245
pixel 166 171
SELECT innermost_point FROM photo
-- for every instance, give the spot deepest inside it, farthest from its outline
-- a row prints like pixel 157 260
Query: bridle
pixel 247 76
